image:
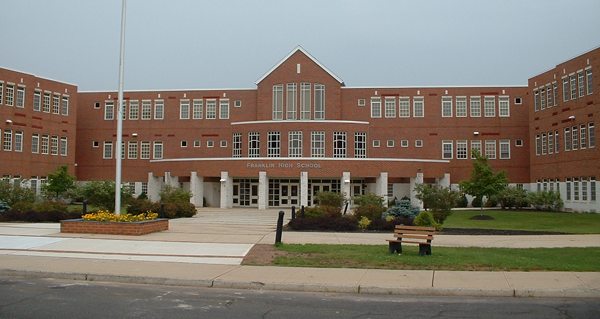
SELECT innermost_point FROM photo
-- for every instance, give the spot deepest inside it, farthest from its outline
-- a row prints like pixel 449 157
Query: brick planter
pixel 80 226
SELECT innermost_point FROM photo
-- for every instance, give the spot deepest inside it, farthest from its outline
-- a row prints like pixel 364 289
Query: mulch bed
pixel 477 231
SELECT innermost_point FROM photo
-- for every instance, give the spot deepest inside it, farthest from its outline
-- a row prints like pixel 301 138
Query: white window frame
pixel 107 152
pixel 319 101
pixel 404 143
pixel 54 145
pixel 132 150
pixel 145 149
pixel 146 110
pixel 461 106
pixel 253 144
pixel 475 106
pixel 63 146
pixel 462 150
pixel 295 144
pixel 20 97
pixel 390 107
pixel 197 109
pixel 375 107
pixel 224 109
pixel 404 107
pixel 305 100
pixel 418 143
pixel 360 145
pixel 47 102
pixel 211 109
pixel 575 136
pixel 565 89
pixel 45 145
pixel 18 141
pixel 184 109
pixel 476 145
pixel 582 136
pixel 274 144
pixel 591 135
pixel 447 149
pixel 581 83
pixel 134 110
pixel 589 80
pixel 390 143
pixel 376 143
pixel 291 101
pixel 446 106
pixel 490 149
pixel 339 144
pixel 158 150
pixel 35 143
pixel 317 144
pixel 10 95
pixel 503 106
pixel 65 105
pixel 504 149
pixel 159 109
pixel 109 110
pixel 236 143
pixel 489 106
pixel 37 100
pixel 56 103
pixel 418 106
pixel 567 132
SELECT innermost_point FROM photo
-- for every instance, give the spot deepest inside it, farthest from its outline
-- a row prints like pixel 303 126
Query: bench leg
pixel 424 249
pixel 395 247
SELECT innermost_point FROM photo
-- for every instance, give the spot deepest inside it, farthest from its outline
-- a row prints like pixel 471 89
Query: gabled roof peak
pixel 299 48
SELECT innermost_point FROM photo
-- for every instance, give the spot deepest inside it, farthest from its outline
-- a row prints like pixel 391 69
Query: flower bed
pixel 80 226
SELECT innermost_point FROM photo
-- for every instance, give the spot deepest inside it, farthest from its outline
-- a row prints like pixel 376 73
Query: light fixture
pixel 475 133
pixel 134 134
pixel 572 117
pixel 222 180
pixel 346 181
pixel 8 122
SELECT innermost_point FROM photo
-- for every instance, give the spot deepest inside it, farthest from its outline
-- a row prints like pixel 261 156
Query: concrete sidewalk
pixel 207 251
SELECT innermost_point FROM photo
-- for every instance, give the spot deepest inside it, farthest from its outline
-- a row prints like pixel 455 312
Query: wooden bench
pixel 413 235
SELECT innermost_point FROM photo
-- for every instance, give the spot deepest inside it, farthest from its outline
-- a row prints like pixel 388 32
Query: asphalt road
pixel 51 298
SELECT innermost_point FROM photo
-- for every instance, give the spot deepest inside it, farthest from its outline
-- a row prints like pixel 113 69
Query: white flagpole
pixel 120 117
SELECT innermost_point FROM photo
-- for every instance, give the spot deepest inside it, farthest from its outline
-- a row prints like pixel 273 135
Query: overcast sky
pixel 192 44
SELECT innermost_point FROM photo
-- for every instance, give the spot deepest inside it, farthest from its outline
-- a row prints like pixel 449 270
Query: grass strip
pixel 442 258
pixel 574 223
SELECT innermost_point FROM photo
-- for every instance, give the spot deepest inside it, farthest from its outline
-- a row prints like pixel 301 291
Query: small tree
pixel 483 181
pixel 102 194
pixel 440 200
pixel 59 182
pixel 16 191
pixel 369 205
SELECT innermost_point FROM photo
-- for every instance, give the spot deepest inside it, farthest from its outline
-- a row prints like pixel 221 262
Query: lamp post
pixel 120 117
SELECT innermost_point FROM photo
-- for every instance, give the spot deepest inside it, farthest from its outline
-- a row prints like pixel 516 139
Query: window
pixel 35 143
pixel 573 86
pixel 109 111
pixel 518 100
pixel 292 101
pixel 568 189
pixel 404 107
pixel 582 136
pixel 503 106
pixel 37 100
pixel 21 97
pixel 159 110
pixel 10 95
pixel 211 109
pixel 253 144
pixel 224 109
pixel 476 146
pixel 475 106
pixel 584 189
pixel 404 143
pixel 519 143
pixel 536 100
pixel 145 150
pixel 197 143
pixel 295 144
pixel 565 89
pixel 581 83
pixel 360 145
pixel 223 143
pixel 65 105
pixel 543 98
pixel 550 142
pixel 590 84
pixel 575 144
pixel 132 152
pixel 1 91
pixel 591 135
pixel 19 141
pixel 447 149
pixel 446 106
pixel 183 143
pixel 376 143
pixel 56 104
pixel 556 144
pixel 362 102
pixel 490 149
pixel 461 149
pixel 210 143
pixel 273 144
pixel 305 101
pixel 375 107
pixel 63 146
pixel 418 107
pixel 184 109
pixel 45 144
pixel 544 144
pixel 54 145
pixel 489 106
pixel 134 110
pixel 390 107
pixel 593 189
pixel 575 188
pixel 236 145
pixel 555 93
pixel 108 150
pixel 158 150
pixel 419 143
pixel 123 110
pixel 538 144
pixel 237 103
pixel 319 102
pixel 146 110
pixel 47 102
pixel 461 106
pixel 317 144
pixel 8 140
pixel 197 109
pixel 504 149
pixel 567 138
pixel 339 144
pixel 549 95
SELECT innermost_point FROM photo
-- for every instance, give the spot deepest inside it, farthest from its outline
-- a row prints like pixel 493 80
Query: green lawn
pixel 527 220
pixel 442 258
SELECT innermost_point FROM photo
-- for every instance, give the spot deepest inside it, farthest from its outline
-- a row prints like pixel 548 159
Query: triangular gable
pixel 299 48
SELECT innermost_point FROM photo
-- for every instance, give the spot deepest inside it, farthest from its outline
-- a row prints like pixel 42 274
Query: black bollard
pixel 302 212
pixel 279 227
pixel 84 207
pixel 346 209
pixel 293 212
pixel 162 210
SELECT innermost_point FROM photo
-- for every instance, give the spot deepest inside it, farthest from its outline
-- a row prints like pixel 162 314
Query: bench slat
pixel 410 242
pixel 399 231
pixel 423 237
pixel 415 227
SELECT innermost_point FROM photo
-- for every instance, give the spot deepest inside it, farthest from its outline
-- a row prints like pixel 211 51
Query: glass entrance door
pixel 245 192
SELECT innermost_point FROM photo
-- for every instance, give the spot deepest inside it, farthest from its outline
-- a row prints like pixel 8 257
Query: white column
pixel 445 181
pixel 304 189
pixel 172 181
pixel 263 190
pixel 154 187
pixel 346 185
pixel 197 189
pixel 413 182
pixel 226 190
pixel 381 190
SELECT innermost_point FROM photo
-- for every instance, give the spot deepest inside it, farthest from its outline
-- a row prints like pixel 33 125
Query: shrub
pixel 324 223
pixel 425 218
pixel 32 216
pixel 331 199
pixel 179 210
pixel 364 222
pixel 22 206
pixel 546 200
pixel 16 191
pixel 512 197
pixel 476 202
pixel 388 225
pixel 102 194
pixel 463 201
pixel 50 206
pixel 439 199
pixel 403 209
pixel 369 205
pixel 4 207
pixel 138 206
pixel 174 194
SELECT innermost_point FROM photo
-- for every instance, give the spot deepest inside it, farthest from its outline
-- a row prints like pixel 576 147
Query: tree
pixel 440 200
pixel 483 181
pixel 16 191
pixel 59 182
pixel 102 194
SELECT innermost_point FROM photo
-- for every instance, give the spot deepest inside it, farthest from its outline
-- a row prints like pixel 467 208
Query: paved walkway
pixel 207 250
